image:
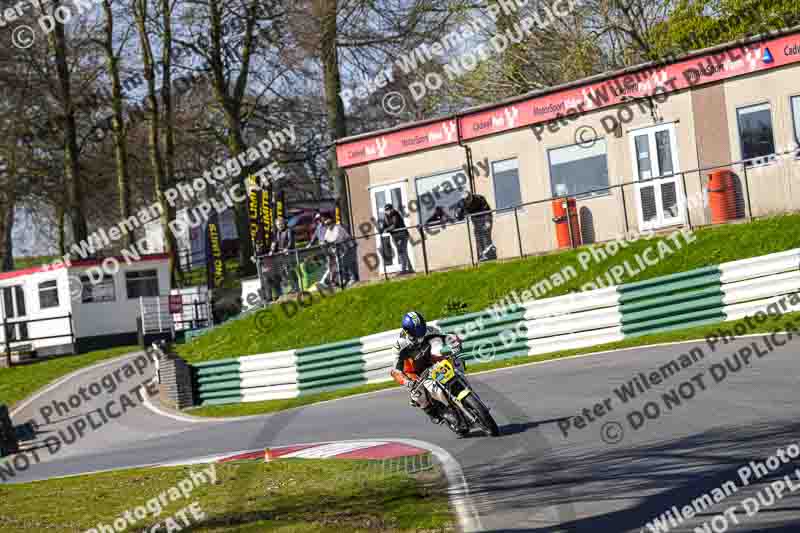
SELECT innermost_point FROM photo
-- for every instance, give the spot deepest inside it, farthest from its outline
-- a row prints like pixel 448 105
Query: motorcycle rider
pixel 413 358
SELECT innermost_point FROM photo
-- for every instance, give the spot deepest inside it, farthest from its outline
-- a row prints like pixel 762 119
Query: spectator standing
pixel 283 244
pixel 345 247
pixel 477 208
pixel 394 224
pixel 319 231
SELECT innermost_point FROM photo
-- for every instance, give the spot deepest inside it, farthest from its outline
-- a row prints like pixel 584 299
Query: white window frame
pixel 86 280
pixel 402 185
pixel 18 328
pixel 582 196
pixel 139 279
pixel 768 159
pixel 417 179
pixel 795 123
pixel 49 289
pixel 506 210
pixel 656 181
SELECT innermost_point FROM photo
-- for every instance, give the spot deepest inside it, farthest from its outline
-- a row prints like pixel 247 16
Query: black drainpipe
pixel 468 152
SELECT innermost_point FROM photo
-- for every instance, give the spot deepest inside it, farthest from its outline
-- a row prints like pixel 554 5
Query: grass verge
pixel 687 334
pixel 19 382
pixel 287 496
pixel 366 310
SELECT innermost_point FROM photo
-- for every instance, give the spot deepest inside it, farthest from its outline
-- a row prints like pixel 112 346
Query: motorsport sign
pixel 256 230
pixel 216 265
pixel 267 216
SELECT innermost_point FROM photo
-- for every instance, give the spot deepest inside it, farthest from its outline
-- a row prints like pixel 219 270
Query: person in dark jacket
pixel 284 243
pixel 394 224
pixel 478 209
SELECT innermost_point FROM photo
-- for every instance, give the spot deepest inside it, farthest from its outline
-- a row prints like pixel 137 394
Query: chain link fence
pixel 306 269
pixel 734 192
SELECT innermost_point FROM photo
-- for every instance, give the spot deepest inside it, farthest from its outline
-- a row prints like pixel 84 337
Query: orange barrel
pixel 560 208
pixel 721 196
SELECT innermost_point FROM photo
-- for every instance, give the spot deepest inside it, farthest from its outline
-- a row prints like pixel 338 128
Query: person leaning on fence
pixel 439 216
pixel 477 208
pixel 319 232
pixel 344 247
pixel 283 244
pixel 394 225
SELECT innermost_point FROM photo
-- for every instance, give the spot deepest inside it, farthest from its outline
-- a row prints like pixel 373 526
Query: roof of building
pixel 361 153
pixel 50 267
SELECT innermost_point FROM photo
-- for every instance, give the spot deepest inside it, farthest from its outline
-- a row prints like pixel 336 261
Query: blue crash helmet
pixel 414 324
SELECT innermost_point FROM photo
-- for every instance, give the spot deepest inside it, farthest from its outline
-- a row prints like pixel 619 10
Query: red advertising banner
pixel 701 70
pixel 397 143
pixel 709 68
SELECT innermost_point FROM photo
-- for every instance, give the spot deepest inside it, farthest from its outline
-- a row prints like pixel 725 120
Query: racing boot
pixel 433 414
pixel 451 419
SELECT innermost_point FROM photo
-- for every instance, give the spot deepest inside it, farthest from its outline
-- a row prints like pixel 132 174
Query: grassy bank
pixel 687 334
pixel 379 307
pixel 19 382
pixel 292 496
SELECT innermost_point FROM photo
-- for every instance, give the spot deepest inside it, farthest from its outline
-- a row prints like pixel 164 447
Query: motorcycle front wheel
pixel 482 414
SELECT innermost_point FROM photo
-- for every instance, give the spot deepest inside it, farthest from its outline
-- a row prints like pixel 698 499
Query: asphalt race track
pixel 531 478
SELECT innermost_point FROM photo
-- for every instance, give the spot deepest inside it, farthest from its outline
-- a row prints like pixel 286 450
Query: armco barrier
pixel 703 296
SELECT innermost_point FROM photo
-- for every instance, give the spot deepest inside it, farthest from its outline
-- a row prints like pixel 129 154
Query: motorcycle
pixel 449 376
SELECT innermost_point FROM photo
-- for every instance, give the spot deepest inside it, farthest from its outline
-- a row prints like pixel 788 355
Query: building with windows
pixel 62 310
pixel 634 147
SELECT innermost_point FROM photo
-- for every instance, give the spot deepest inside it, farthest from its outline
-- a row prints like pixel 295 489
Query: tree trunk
pixel 156 159
pixel 230 104
pixel 337 121
pixel 62 233
pixel 8 242
pixel 170 242
pixel 75 197
pixel 8 200
pixel 118 127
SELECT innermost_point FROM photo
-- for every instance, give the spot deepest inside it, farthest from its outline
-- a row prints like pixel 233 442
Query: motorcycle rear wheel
pixel 482 414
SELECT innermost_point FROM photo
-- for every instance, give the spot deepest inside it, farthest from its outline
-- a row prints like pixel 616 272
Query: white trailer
pixel 53 310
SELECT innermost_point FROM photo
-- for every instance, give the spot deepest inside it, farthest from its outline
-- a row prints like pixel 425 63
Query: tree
pixel 75 198
pixel 118 124
pixel 697 24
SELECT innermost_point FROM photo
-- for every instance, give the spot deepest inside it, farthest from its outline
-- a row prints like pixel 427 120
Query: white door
pixel 394 194
pixel 655 153
pixel 14 310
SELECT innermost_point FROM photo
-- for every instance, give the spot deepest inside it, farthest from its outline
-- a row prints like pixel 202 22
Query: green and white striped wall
pixel 703 296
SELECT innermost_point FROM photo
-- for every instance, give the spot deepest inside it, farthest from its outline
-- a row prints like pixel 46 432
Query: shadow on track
pixel 656 477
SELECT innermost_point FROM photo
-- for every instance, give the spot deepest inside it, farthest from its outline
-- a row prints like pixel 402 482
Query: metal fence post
pixel 158 312
pixel 71 329
pixel 747 193
pixel 339 276
pixel 569 223
pixel 625 210
pixel 519 234
pixel 424 249
pixel 686 201
pixel 8 341
pixel 383 255
pixel 296 270
pixel 142 314
pixel 469 240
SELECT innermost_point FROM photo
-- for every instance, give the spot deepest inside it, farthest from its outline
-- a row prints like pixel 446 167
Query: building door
pixel 14 310
pixel 655 153
pixel 394 194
